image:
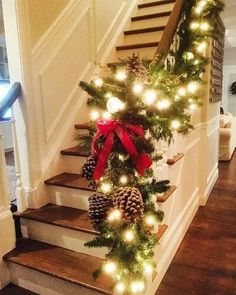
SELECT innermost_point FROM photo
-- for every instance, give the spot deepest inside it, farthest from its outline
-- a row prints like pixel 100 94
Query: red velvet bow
pixel 109 128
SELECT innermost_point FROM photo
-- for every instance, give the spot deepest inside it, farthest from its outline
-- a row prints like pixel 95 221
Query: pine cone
pixel 98 207
pixel 88 168
pixel 136 66
pixel 129 201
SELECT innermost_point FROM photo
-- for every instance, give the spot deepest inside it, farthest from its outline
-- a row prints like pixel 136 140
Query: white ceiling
pixel 229 18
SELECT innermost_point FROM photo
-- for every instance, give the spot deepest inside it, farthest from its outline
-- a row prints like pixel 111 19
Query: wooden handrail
pixel 170 29
pixel 11 96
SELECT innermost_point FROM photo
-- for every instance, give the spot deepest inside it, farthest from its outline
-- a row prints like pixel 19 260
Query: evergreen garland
pixel 159 99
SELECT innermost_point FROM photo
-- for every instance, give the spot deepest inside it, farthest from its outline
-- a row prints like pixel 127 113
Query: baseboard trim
pixel 211 180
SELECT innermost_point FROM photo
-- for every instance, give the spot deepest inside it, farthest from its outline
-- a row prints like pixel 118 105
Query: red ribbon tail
pixel 143 162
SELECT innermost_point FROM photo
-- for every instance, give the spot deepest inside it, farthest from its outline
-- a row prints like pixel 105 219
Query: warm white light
pixel 202 3
pixel 149 97
pixel 192 87
pixel 150 220
pixel 163 104
pixel 98 82
pixel 175 124
pixel 114 105
pixel 198 10
pixel 177 98
pixel 194 25
pixel 137 287
pixel 192 106
pixel 148 269
pixel 204 26
pixel 106 187
pixel 120 288
pixel 137 88
pixel 106 115
pixel 123 179
pixel 189 55
pixel 110 267
pixel 121 75
pixel 182 91
pixel 201 47
pixel 121 157
pixel 94 115
pixel 114 215
pixel 129 236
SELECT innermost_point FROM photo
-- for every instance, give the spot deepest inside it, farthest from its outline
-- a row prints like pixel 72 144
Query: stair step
pixel 163 197
pixel 64 264
pixel 62 216
pixel 84 126
pixel 70 180
pixel 149 16
pixel 155 3
pixel 161 231
pixel 15 290
pixel 144 30
pixel 175 159
pixel 135 46
pixel 74 151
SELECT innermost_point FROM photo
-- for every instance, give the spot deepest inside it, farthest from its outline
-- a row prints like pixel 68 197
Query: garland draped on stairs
pixel 134 106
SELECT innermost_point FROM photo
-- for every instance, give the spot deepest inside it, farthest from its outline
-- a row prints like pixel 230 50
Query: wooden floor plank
pixel 15 290
pixel 205 263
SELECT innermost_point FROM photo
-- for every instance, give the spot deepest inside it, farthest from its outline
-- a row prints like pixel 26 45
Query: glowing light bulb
pixel 148 268
pixel 137 88
pixel 192 87
pixel 175 124
pixel 150 220
pixel 98 82
pixel 114 105
pixel 204 26
pixel 123 179
pixel 182 91
pixel 106 187
pixel 114 215
pixel 189 55
pixel 129 236
pixel 201 47
pixel 120 288
pixel 94 115
pixel 192 106
pixel 110 267
pixel 149 97
pixel 202 3
pixel 121 75
pixel 177 98
pixel 137 287
pixel 163 104
pixel 121 157
pixel 106 115
pixel 198 10
pixel 194 25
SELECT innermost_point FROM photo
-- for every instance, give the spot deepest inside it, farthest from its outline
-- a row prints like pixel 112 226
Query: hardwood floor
pixel 14 290
pixel 205 263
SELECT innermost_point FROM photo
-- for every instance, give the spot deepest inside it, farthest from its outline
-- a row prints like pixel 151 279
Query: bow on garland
pixel 124 131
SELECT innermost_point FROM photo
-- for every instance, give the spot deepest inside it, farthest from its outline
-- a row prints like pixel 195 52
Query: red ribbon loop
pixel 108 129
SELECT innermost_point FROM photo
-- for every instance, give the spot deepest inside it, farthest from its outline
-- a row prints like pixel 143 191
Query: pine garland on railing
pixel 134 106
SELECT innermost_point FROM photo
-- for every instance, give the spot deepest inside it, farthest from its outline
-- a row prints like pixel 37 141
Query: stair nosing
pixel 155 3
pixel 137 46
pixel 67 152
pixel 175 159
pixel 144 30
pixel 152 15
pixel 167 194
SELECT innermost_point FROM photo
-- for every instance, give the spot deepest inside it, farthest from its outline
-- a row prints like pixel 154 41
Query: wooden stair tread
pixel 175 159
pixel 152 15
pixel 161 231
pixel 62 216
pixel 144 30
pixel 74 151
pixel 61 263
pixel 138 45
pixel 70 180
pixel 82 126
pixel 162 198
pixel 15 290
pixel 155 3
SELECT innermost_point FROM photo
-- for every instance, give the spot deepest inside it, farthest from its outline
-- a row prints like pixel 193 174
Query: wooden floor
pixel 205 263
pixel 14 290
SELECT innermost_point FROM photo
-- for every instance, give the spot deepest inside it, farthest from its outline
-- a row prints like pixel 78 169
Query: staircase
pixel 51 257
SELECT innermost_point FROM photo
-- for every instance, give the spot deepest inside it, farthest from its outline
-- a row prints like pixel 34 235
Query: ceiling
pixel 229 18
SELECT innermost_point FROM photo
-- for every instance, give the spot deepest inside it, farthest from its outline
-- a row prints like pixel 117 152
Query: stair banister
pixel 11 96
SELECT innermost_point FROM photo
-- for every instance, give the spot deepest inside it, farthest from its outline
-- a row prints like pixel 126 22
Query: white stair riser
pixel 146 23
pixel 59 236
pixel 146 53
pixel 156 9
pixel 142 38
pixel 44 284
pixel 69 197
pixel 73 164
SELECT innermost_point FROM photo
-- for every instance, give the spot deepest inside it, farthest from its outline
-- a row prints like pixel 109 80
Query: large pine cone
pixel 89 167
pixel 130 202
pixel 98 207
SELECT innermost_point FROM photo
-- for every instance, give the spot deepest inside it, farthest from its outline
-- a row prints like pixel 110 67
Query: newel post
pixel 7 232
